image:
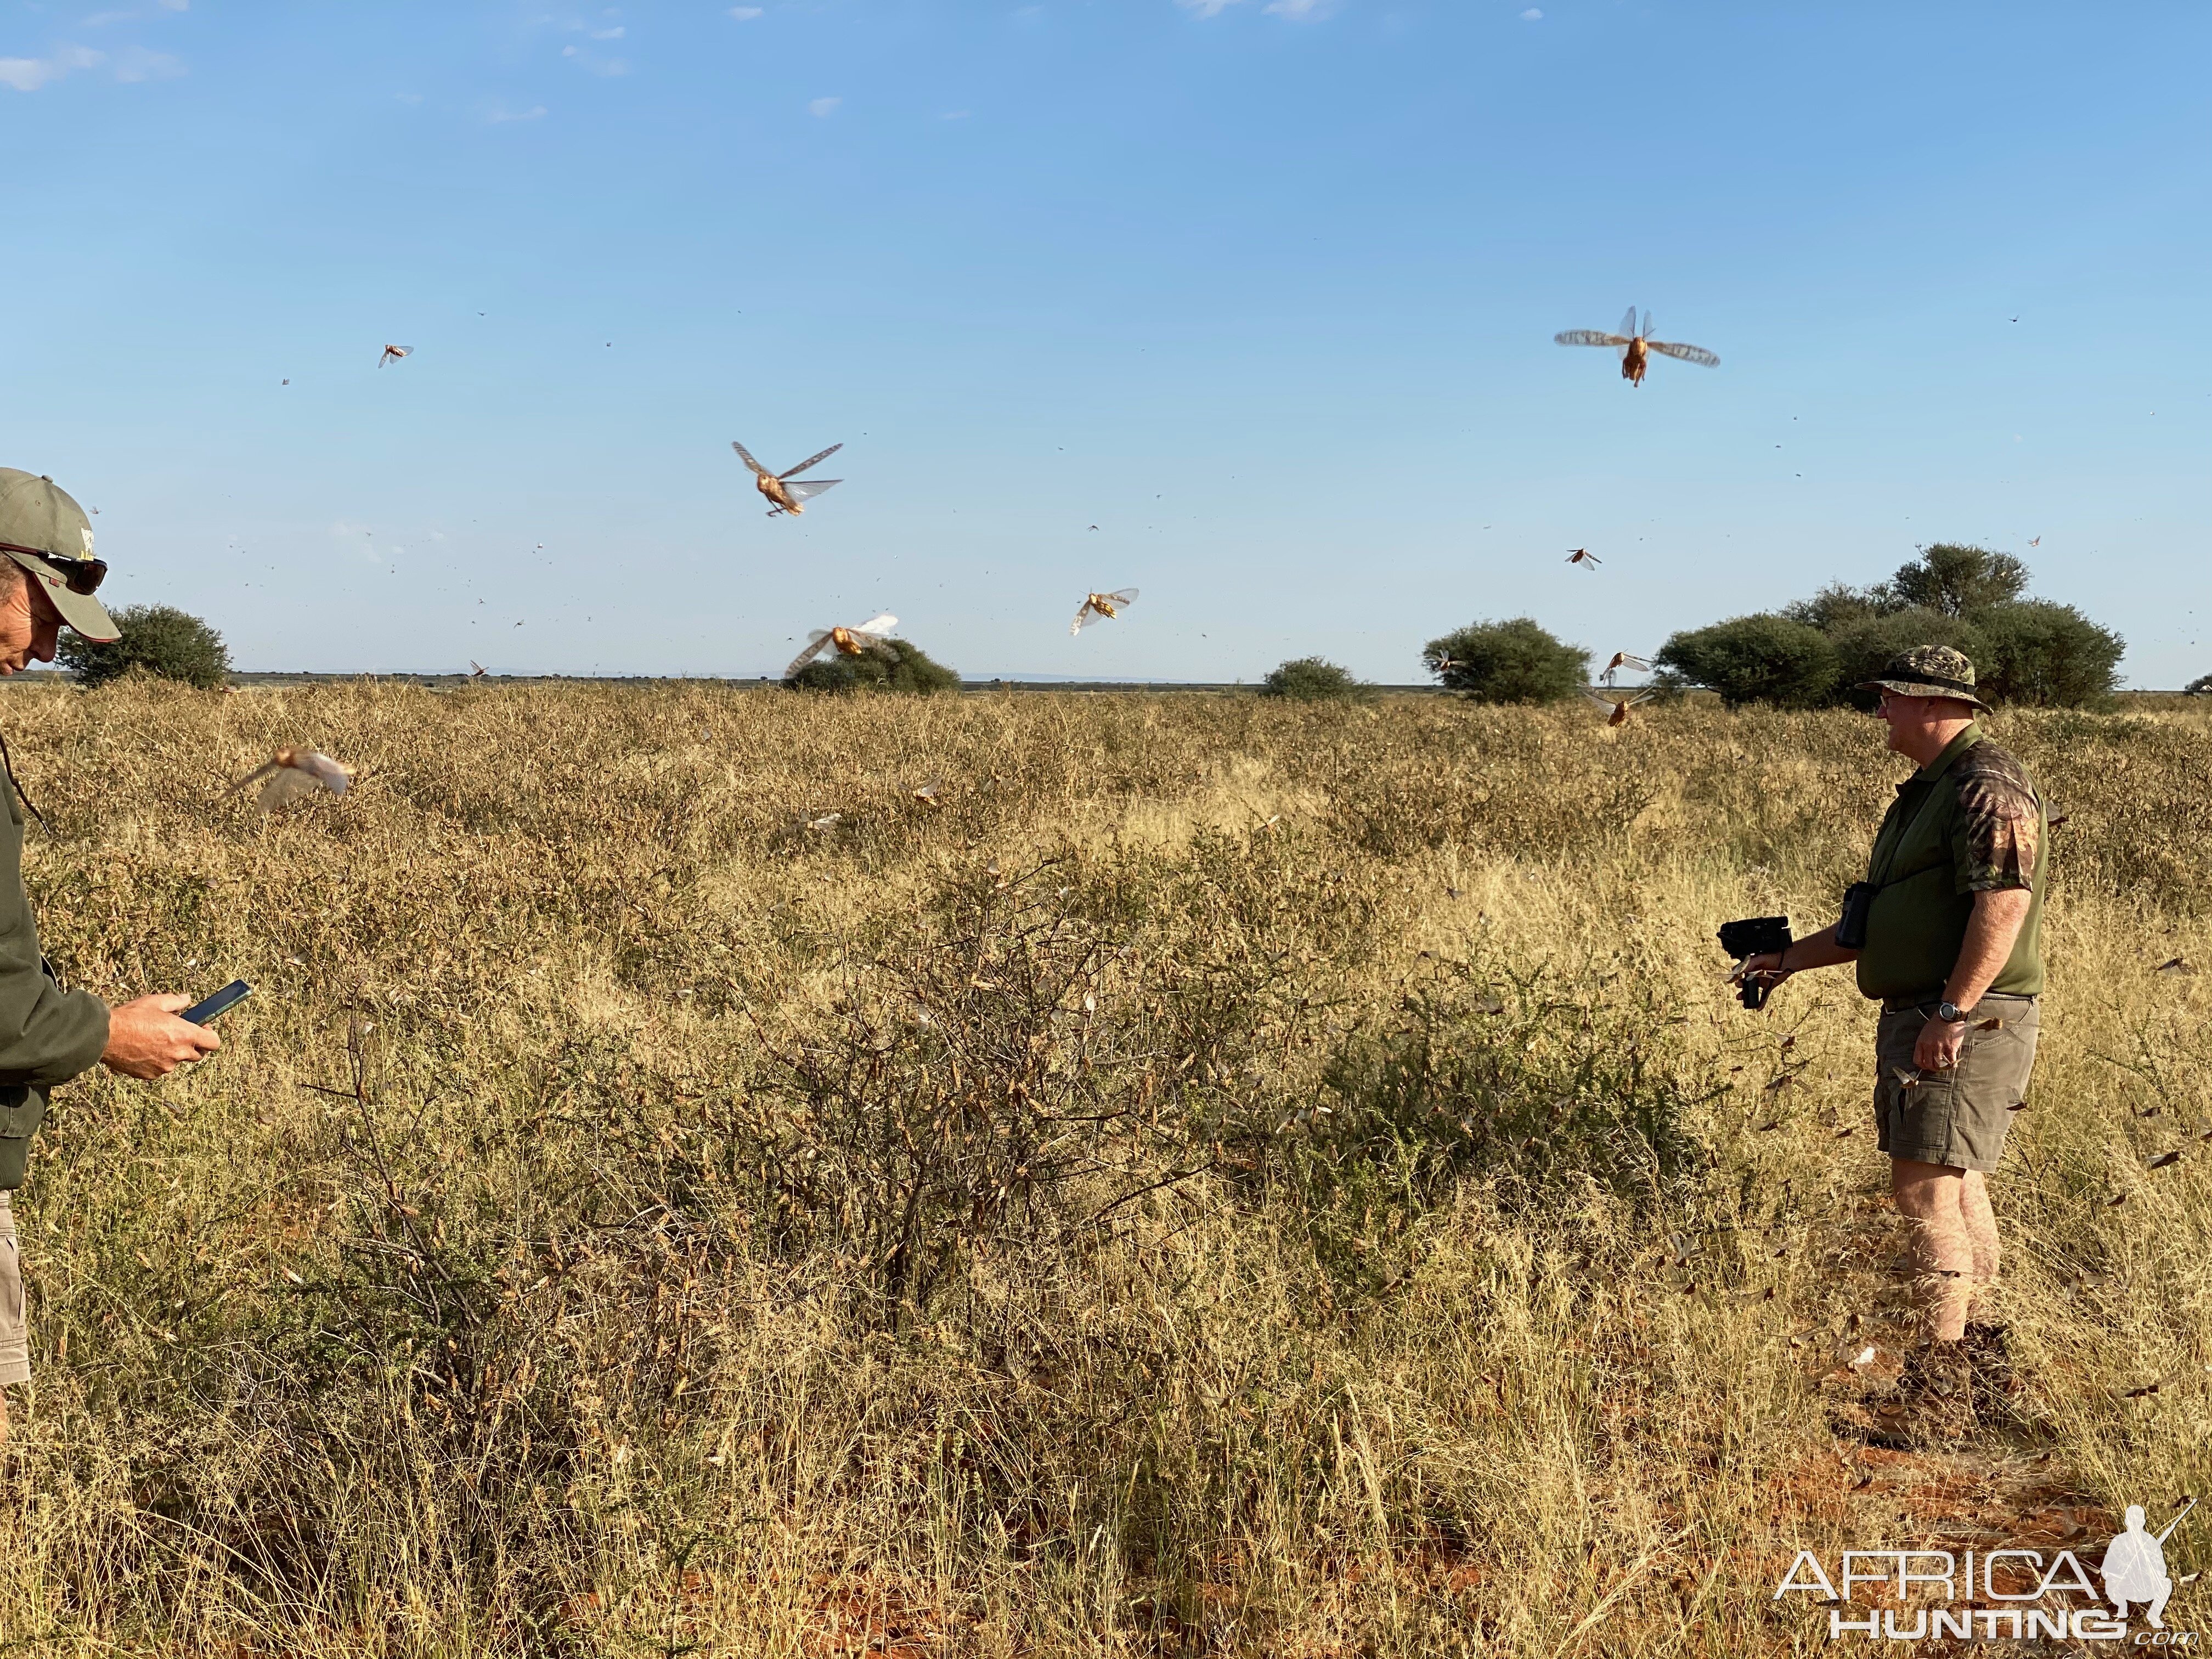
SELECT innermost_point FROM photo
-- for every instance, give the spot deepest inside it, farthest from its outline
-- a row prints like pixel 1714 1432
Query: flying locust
pixel 1637 346
pixel 786 490
pixel 292 775
pixel 1097 607
pixel 849 642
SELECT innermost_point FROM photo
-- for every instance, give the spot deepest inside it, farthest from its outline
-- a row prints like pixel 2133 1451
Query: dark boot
pixel 1933 1406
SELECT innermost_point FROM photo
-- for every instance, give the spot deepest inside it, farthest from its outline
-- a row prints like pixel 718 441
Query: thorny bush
pixel 1016 1066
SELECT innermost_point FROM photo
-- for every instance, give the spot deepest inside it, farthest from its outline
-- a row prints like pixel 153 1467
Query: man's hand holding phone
pixel 146 1039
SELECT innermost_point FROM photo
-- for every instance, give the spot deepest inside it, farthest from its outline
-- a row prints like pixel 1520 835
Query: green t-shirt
pixel 1968 822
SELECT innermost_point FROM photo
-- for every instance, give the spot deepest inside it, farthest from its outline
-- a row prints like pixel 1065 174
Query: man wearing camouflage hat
pixel 1946 932
pixel 47 1036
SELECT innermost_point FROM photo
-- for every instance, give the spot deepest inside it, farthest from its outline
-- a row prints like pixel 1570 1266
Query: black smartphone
pixel 229 997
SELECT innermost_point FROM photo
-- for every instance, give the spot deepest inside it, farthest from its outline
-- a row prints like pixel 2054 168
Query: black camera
pixel 1755 936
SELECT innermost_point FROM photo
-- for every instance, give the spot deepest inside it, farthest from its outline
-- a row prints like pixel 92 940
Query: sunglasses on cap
pixel 81 575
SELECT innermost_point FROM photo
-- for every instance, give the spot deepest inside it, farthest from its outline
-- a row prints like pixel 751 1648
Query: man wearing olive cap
pixel 1951 948
pixel 47 1036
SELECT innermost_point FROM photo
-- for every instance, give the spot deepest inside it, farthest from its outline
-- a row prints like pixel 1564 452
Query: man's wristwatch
pixel 1950 1013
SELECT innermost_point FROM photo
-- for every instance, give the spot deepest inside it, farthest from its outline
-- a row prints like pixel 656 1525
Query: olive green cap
pixel 1928 670
pixel 38 520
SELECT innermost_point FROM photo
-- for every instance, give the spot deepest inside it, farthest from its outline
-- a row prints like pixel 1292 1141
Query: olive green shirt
pixel 47 1035
pixel 1968 822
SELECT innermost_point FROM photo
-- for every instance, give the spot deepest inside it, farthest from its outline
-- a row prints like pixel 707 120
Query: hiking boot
pixel 1932 1405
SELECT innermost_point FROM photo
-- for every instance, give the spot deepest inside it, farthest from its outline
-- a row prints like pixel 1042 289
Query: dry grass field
pixel 1225 1178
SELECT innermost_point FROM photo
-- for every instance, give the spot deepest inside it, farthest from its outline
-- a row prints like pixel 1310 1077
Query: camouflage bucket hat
pixel 1928 670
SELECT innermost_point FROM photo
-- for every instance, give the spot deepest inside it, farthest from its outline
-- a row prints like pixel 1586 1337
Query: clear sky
pixel 1263 289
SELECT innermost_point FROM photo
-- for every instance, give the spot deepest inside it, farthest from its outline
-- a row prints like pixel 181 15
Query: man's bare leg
pixel 1930 1195
pixel 1982 1229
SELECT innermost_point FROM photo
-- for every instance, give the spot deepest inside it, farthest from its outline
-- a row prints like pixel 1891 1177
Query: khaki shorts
pixel 1956 1118
pixel 15 1330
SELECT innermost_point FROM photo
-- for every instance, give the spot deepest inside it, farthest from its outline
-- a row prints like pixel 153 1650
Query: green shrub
pixel 158 640
pixel 1757 659
pixel 1515 662
pixel 1863 648
pixel 1477 1076
pixel 2046 655
pixel 1309 679
pixel 914 672
pixel 2199 687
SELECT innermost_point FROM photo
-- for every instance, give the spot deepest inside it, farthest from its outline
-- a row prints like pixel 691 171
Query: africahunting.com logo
pixel 2002 1594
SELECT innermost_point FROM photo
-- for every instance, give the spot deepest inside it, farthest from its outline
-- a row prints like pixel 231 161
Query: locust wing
pixel 882 624
pixel 328 774
pixel 745 455
pixel 1086 613
pixel 1688 354
pixel 1628 323
pixel 284 786
pixel 1123 596
pixel 294 774
pixel 256 775
pixel 792 472
pixel 814 644
pixel 393 354
pixel 805 489
pixel 1611 705
pixel 1596 337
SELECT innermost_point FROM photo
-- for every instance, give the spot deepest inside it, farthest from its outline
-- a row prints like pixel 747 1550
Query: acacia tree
pixel 1515 662
pixel 2047 655
pixel 156 639
pixel 1836 605
pixel 908 669
pixel 1863 646
pixel 1760 658
pixel 1956 579
pixel 1311 679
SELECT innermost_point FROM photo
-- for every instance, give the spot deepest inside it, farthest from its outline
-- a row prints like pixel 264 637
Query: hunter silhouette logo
pixel 1990 1594
pixel 2134 1567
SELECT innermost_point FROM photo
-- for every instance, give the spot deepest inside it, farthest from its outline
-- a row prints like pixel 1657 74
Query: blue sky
pixel 1264 291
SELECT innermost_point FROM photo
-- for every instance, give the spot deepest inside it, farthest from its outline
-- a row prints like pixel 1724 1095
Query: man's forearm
pixel 1991 932
pixel 47 1035
pixel 1818 950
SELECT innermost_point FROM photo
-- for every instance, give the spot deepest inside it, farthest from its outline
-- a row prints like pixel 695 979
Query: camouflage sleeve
pixel 2000 824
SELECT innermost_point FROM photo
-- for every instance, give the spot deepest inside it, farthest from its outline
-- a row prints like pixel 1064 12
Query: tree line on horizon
pixel 1810 654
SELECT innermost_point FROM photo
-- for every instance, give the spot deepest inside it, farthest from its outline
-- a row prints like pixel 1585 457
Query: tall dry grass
pixel 1231 1178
